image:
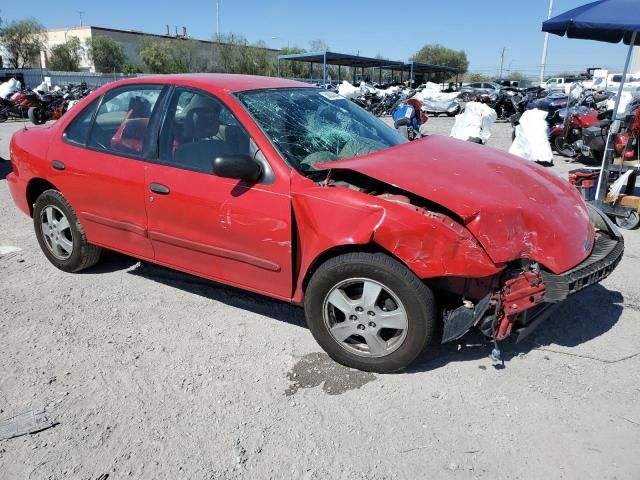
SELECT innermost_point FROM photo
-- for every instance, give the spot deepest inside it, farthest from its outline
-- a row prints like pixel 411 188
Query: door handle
pixel 57 165
pixel 159 188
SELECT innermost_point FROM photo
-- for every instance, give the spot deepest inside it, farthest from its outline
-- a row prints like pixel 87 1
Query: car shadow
pixel 582 317
pixel 5 168
pixel 111 261
pixel 234 297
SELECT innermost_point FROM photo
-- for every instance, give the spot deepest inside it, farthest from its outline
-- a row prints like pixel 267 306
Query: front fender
pixel 429 243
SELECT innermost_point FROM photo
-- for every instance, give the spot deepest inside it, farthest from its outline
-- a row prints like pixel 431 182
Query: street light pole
pixel 543 61
pixel 218 19
pixel 280 38
pixel 502 61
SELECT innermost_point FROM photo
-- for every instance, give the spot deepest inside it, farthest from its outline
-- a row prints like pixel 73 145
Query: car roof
pixel 218 82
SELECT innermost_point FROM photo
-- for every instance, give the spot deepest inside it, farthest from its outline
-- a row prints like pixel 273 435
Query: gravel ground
pixel 155 374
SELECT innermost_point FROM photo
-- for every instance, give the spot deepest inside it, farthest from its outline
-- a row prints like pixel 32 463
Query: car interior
pixel 198 129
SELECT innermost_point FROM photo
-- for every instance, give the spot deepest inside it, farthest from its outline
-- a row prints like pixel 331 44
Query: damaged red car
pixel 298 194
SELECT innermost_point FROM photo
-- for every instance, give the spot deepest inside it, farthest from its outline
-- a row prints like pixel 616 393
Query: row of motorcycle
pixel 38 105
pixel 578 122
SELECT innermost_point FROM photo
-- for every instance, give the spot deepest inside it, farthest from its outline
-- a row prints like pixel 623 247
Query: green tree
pixel 66 57
pixel 516 76
pixel 129 69
pixel 291 69
pixel 23 40
pixel 191 56
pixel 476 77
pixel 236 55
pixel 107 54
pixel 562 74
pixel 318 46
pixel 156 56
pixel 439 55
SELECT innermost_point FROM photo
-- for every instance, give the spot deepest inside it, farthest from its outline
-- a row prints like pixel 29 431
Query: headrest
pixel 201 122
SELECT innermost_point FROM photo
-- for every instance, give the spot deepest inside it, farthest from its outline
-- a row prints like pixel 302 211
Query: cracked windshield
pixel 310 126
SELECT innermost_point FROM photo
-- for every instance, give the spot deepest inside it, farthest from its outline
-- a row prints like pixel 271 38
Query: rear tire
pixel 60 234
pixel 379 332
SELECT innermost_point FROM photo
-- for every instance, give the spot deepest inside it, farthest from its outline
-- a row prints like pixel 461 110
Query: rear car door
pixel 220 228
pixel 98 166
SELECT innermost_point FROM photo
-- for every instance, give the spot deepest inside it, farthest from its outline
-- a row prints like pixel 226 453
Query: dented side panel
pixel 430 244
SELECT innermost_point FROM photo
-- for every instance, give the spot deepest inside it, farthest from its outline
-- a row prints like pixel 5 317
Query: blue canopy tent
pixel 606 21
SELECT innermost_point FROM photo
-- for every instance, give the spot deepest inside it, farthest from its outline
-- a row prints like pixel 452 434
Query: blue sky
pixel 396 30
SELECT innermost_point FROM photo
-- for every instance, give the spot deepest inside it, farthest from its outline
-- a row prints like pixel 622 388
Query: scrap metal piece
pixel 28 422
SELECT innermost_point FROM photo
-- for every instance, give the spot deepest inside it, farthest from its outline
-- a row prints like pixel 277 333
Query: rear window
pixel 78 130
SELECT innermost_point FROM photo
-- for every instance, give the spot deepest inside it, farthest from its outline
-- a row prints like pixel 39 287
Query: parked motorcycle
pixel 386 105
pixel 17 105
pixel 407 117
pixel 567 124
pixel 51 106
pixel 625 140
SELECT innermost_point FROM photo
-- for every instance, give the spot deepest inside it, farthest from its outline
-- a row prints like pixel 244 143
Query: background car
pixel 467 92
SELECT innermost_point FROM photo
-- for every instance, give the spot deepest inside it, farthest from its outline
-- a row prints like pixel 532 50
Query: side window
pixel 78 130
pixel 122 119
pixel 197 129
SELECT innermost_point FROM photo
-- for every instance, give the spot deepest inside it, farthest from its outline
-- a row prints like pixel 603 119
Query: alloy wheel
pixel 56 232
pixel 365 317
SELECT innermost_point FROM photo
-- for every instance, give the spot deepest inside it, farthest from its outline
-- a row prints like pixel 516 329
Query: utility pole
pixel 502 61
pixel 80 13
pixel 218 19
pixel 543 61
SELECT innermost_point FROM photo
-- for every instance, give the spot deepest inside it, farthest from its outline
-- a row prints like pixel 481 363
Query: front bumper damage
pixel 530 294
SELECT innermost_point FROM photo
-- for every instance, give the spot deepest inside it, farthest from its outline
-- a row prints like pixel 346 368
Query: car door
pixel 98 167
pixel 220 228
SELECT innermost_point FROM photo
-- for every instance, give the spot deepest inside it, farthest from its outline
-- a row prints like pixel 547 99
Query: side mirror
pixel 241 167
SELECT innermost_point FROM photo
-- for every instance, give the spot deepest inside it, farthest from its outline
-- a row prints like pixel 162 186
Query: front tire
pixel 369 312
pixel 60 234
pixel 36 115
pixel 629 223
pixel 563 148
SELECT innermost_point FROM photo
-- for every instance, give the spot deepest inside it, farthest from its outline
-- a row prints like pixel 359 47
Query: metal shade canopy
pixel 357 61
pixel 605 21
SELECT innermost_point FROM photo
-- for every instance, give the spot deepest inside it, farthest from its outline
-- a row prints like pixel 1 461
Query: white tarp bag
pixel 437 101
pixel 347 90
pixel 435 95
pixel 475 122
pixel 439 106
pixel 619 184
pixel 432 86
pixel 42 88
pixel 9 87
pixel 532 138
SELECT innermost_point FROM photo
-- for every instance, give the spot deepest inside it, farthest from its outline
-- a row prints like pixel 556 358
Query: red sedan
pixel 296 193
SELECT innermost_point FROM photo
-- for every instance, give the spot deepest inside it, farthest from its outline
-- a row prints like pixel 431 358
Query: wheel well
pixel 341 250
pixel 35 188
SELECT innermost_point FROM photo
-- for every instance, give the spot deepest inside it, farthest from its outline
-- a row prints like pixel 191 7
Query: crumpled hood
pixel 515 208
